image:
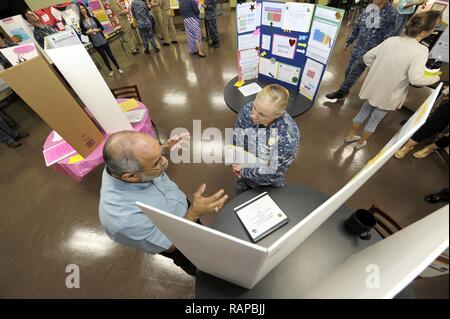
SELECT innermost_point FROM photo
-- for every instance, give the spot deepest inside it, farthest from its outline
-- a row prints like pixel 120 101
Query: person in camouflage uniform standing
pixel 140 12
pixel 265 130
pixel 211 23
pixel 376 24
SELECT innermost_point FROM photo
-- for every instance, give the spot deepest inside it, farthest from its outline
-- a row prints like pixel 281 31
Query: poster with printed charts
pixel 272 14
pixel 321 40
pixel 312 74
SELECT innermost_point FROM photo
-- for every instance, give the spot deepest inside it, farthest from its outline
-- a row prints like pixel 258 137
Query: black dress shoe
pixel 174 41
pixel 337 95
pixel 146 51
pixel 436 198
pixel 166 43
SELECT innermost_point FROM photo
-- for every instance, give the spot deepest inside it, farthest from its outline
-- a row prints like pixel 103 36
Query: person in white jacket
pixel 394 64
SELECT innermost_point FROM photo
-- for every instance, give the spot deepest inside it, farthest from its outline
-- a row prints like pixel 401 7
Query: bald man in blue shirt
pixel 135 172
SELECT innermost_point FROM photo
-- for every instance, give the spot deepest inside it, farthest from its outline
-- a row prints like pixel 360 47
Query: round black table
pixel 297 105
pixel 312 261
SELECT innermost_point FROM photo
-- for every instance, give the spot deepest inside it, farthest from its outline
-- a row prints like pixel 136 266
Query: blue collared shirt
pixel 277 143
pixel 123 220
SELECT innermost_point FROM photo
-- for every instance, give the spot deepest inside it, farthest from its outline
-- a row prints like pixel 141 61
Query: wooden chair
pixel 6 98
pixel 132 92
pixel 387 226
pixel 127 92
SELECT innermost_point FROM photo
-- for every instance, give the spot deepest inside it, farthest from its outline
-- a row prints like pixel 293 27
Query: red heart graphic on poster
pixel 291 42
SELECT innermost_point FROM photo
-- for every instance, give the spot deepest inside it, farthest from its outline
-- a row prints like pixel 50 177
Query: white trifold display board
pixel 77 67
pixel 384 269
pixel 245 264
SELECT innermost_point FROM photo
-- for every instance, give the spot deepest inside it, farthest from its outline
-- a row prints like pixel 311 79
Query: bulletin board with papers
pixel 287 43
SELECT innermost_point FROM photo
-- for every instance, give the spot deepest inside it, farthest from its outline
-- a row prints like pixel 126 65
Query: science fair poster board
pixel 17 29
pixel 77 67
pixel 384 269
pixel 219 254
pixel 294 45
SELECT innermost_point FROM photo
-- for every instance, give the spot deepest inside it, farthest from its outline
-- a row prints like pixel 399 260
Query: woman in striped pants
pixel 190 11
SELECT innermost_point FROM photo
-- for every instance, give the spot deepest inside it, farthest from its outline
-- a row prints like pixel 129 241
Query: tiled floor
pixel 48 221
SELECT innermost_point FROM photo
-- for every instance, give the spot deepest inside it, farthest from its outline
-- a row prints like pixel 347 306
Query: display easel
pixel 284 43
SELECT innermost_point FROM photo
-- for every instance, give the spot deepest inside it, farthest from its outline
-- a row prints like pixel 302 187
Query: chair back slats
pixel 386 225
pixel 127 92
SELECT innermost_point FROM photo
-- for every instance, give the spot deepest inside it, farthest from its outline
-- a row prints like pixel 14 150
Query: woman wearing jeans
pixel 394 64
pixel 90 26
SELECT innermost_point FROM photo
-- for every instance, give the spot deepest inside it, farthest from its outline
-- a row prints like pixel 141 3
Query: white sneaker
pixel 120 71
pixel 352 139
pixel 111 73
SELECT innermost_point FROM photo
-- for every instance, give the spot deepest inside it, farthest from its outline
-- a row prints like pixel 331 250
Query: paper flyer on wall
pixel 288 73
pixel 284 46
pixel 248 64
pixel 249 72
pixel 312 74
pixel 272 14
pixel 297 16
pixel 324 31
pixel 329 13
pixel 20 53
pixel 246 16
pixel 248 57
pixel 70 16
pixel 268 67
pixel 248 41
pixel 266 41
pixel 321 40
pixel 17 29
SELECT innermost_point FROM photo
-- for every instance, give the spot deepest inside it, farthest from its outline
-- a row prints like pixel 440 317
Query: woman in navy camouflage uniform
pixel 264 129
pixel 140 12
pixel 211 23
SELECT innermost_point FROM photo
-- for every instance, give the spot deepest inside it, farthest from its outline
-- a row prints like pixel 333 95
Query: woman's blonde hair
pixel 274 94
